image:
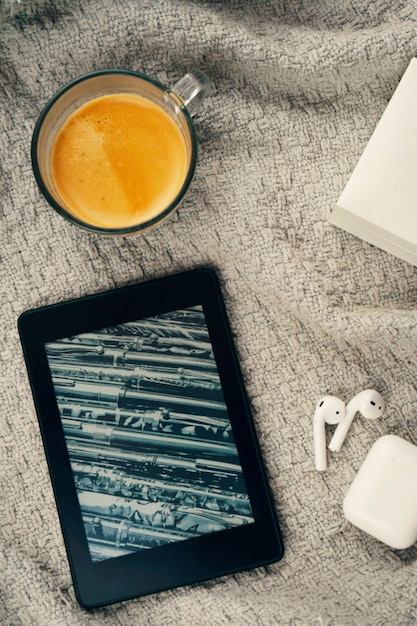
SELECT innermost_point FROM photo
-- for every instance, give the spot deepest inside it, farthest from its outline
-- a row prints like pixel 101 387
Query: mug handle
pixel 192 90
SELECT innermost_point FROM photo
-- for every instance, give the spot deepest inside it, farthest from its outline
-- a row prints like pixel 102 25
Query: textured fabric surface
pixel 298 88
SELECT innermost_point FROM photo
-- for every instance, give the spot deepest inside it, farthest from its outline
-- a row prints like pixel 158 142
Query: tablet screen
pixel 148 433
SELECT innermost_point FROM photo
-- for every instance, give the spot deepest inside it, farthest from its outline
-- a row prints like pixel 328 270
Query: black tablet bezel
pixel 178 563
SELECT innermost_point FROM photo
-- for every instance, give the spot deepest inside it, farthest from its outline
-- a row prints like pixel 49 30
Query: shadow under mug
pixel 180 103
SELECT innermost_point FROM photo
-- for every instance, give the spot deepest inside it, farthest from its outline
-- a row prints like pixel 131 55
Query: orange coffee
pixel 119 160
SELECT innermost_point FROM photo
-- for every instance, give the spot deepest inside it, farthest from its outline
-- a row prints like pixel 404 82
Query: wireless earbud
pixel 369 403
pixel 330 410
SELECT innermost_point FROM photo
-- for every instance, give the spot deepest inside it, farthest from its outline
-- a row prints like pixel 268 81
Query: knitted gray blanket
pixel 298 87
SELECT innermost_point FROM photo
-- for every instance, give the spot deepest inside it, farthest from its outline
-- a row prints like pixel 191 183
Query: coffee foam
pixel 118 161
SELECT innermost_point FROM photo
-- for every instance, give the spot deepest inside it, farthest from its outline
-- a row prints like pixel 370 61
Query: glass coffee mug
pixel 115 151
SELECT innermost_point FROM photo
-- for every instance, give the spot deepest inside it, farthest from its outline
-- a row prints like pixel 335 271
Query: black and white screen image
pixel 148 433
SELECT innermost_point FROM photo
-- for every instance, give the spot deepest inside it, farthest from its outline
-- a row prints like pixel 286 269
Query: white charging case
pixel 382 499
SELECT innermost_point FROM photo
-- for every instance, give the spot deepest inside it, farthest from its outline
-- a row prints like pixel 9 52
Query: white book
pixel 379 202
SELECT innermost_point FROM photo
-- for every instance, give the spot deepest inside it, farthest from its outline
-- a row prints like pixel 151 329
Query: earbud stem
pixel 341 431
pixel 320 446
